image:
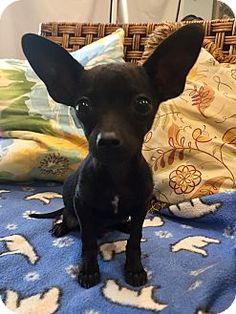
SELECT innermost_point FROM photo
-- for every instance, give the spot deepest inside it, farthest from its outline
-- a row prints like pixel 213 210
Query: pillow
pixel 39 138
pixel 191 147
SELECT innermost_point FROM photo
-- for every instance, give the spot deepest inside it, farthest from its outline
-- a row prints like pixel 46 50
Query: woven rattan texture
pixel 73 36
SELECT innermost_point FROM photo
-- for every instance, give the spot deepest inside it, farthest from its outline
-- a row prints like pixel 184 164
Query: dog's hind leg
pixel 67 221
pixel 64 223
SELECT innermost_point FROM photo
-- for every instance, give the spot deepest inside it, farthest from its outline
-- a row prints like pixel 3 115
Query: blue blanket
pixel 190 262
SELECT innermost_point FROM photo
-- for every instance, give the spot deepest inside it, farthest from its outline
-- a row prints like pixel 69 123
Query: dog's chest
pixel 108 199
pixel 111 202
pixel 115 203
pixel 115 194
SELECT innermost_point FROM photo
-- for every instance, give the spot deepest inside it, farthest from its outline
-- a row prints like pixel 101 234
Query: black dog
pixel 116 104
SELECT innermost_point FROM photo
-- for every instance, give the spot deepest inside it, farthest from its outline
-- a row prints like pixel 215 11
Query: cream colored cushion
pixel 191 147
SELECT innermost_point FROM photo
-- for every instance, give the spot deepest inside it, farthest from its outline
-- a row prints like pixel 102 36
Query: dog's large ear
pixel 170 63
pixel 54 65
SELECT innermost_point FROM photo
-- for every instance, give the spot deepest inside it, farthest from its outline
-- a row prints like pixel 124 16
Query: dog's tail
pixel 47 215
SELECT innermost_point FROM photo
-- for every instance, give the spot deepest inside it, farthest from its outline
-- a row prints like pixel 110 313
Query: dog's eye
pixel 143 106
pixel 83 105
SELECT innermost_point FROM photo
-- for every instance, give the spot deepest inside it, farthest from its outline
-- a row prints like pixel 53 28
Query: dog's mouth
pixel 110 156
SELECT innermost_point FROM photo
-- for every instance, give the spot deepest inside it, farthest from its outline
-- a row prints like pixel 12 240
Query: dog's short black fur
pixel 116 104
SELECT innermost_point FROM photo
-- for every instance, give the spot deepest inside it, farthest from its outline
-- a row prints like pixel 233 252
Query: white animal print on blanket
pixel 4 309
pixel 194 244
pixel 42 303
pixel 17 244
pixel 142 299
pixel 153 222
pixel 193 209
pixel 44 197
pixel 4 191
pixel 109 249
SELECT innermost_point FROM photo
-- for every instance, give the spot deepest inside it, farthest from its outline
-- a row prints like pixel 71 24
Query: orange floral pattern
pixel 191 147
pixel 202 97
pixel 184 179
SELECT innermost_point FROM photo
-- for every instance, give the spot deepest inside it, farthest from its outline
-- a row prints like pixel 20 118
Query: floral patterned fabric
pixel 192 144
pixel 38 137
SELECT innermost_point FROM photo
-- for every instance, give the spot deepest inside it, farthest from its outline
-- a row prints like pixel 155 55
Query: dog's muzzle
pixel 107 140
pixel 109 147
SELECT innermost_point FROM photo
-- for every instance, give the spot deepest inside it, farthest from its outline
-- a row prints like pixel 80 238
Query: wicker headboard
pixel 73 36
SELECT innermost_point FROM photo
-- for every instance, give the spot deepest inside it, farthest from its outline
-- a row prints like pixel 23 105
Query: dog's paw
pixel 88 280
pixel 136 279
pixel 59 229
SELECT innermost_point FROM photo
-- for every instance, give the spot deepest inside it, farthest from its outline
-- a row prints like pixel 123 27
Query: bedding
pixel 190 262
pixel 35 128
pixel 191 146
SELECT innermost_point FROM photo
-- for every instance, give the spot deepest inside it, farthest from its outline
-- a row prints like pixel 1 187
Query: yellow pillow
pixel 39 138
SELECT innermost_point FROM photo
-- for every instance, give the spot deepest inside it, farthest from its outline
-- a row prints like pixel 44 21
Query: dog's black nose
pixel 108 140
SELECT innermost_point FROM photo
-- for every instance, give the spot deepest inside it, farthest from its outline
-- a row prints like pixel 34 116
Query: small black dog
pixel 116 104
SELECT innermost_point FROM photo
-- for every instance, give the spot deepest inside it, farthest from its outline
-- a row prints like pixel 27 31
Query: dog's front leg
pixel 89 274
pixel 135 274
